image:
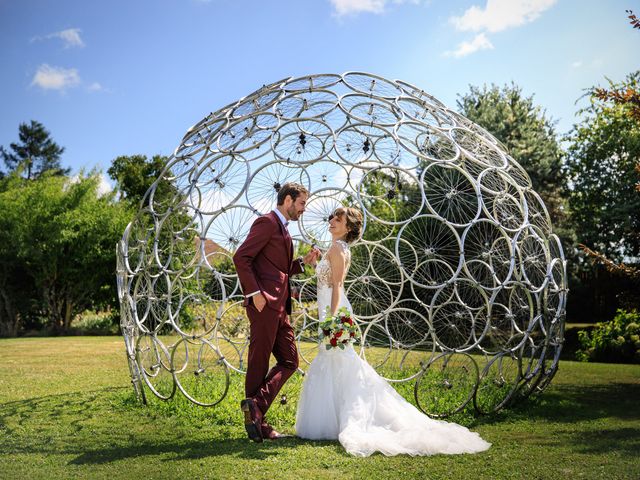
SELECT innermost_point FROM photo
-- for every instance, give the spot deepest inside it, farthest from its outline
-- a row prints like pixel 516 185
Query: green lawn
pixel 67 411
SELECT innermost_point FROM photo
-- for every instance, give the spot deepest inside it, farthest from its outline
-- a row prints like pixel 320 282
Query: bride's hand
pixel 312 257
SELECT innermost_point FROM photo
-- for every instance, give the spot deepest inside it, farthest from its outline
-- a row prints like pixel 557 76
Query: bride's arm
pixel 336 258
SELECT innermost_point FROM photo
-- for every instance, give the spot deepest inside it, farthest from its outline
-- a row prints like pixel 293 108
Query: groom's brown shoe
pixel 252 419
pixel 268 433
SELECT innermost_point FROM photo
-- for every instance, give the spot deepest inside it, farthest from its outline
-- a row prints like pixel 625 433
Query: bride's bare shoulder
pixel 337 249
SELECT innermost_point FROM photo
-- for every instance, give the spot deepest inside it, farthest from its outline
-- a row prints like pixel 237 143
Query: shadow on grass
pixel 576 403
pixel 54 407
pixel 623 441
pixel 193 450
pixel 573 407
pixel 80 424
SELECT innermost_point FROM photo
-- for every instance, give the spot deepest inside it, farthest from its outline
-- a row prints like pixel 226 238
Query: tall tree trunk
pixel 67 314
pixel 15 326
pixel 54 307
pixel 10 319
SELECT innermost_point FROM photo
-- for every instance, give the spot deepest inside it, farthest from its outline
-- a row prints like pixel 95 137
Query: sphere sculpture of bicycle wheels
pixel 458 283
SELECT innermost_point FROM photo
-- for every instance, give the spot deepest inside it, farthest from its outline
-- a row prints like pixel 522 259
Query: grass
pixel 67 411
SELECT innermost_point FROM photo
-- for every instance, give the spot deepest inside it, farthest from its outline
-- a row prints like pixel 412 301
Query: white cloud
pixel 104 187
pixel 577 64
pixel 495 16
pixel 55 78
pixel 104 184
pixel 95 87
pixel 479 42
pixel 347 7
pixel 498 15
pixel 70 37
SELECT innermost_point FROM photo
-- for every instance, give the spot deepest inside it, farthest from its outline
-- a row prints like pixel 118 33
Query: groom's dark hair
pixel 294 190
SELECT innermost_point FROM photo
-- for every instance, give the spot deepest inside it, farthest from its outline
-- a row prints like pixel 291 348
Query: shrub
pixel 617 341
pixel 95 323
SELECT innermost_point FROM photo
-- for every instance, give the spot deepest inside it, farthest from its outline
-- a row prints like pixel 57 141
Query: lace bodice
pixel 323 269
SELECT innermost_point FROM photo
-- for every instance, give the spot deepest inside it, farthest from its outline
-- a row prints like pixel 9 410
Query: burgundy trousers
pixel 270 332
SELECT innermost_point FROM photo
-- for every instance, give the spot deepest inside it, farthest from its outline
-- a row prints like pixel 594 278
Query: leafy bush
pixel 95 323
pixel 617 341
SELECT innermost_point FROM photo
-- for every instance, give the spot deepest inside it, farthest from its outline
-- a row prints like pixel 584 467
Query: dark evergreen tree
pixel 35 153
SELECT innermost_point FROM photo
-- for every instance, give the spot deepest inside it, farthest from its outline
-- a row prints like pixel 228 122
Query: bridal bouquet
pixel 339 329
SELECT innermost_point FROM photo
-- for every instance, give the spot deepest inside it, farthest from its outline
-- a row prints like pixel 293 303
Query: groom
pixel 264 263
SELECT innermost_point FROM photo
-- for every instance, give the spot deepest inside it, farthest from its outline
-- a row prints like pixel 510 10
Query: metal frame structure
pixel 458 283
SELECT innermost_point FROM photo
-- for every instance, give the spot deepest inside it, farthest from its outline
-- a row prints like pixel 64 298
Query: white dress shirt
pixel 283 220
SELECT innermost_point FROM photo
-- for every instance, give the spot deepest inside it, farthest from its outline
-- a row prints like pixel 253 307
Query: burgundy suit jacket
pixel 265 262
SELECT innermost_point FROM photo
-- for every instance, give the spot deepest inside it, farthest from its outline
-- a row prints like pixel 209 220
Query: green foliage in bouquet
pixel 617 341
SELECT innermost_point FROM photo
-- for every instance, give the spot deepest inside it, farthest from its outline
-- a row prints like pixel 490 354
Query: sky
pixel 130 77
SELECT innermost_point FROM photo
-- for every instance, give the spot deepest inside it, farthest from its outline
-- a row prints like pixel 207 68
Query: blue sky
pixel 128 77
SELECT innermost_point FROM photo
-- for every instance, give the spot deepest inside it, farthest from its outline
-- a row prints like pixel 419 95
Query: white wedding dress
pixel 344 398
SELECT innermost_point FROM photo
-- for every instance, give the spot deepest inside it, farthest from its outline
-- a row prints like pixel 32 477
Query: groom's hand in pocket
pixel 259 301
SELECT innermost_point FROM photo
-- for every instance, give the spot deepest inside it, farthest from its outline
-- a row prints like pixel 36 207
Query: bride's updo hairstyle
pixel 354 222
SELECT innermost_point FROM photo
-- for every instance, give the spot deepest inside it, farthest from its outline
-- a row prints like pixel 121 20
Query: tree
pixel 17 288
pixel 61 235
pixel 35 154
pixel 529 136
pixel 134 175
pixel 601 163
pixel 628 98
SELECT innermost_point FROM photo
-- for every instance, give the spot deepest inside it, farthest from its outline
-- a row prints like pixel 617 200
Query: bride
pixel 344 398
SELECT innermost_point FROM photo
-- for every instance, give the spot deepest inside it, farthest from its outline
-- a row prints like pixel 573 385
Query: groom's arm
pixel 297 266
pixel 261 232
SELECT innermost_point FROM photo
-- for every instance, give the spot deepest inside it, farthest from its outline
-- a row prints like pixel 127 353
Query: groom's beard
pixel 293 214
